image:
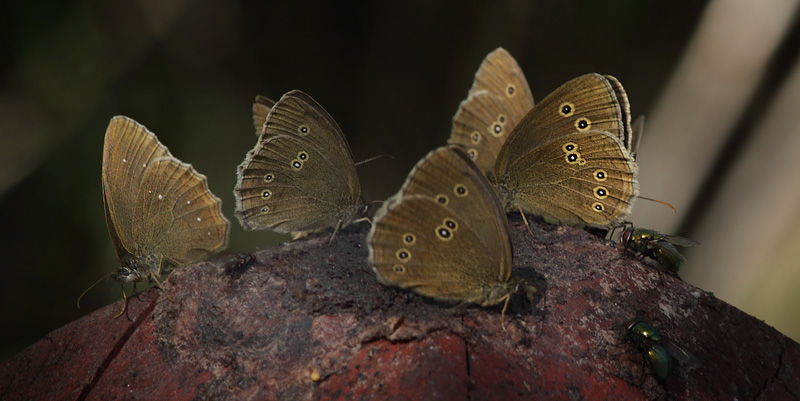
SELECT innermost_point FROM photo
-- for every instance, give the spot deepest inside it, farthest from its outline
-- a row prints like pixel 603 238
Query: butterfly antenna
pixel 90 287
pixel 659 201
pixel 374 158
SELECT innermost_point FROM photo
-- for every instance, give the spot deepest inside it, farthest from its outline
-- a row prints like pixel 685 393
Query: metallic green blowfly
pixel 656 246
pixel 657 350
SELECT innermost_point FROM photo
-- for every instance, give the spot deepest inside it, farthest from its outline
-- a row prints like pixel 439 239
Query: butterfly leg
pixel 125 305
pixel 335 230
pixel 503 312
pixel 296 235
pixel 154 278
pixel 524 219
pixel 530 292
pixel 367 219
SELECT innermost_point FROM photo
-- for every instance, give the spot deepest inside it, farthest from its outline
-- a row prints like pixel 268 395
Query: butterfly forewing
pixel 128 149
pixel 453 181
pixel 500 75
pixel 261 107
pixel 112 229
pixel 587 102
pixel 481 126
pixel 626 134
pixel 499 98
pixel 585 177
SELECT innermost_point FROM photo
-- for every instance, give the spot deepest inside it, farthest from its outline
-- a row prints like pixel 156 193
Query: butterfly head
pixel 505 191
pixel 354 211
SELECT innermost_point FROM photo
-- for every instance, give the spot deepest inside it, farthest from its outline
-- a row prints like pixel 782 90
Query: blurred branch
pixel 703 100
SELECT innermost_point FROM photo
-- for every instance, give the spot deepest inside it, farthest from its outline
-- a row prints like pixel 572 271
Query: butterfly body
pixel 300 177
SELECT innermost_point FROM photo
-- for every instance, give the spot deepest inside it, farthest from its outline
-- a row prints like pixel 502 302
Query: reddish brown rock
pixel 306 321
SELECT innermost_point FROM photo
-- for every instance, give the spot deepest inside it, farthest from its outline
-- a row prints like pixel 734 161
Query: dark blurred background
pixel 718 82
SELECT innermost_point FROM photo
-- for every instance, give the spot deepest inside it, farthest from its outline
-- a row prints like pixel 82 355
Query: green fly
pixel 657 350
pixel 660 248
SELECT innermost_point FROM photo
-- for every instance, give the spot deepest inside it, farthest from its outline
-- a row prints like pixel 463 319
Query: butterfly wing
pixel 445 234
pixel 261 108
pixel 591 101
pixel 112 229
pixel 499 98
pixel 581 178
pixel 176 215
pixel 301 175
pixel 127 151
pixel 591 112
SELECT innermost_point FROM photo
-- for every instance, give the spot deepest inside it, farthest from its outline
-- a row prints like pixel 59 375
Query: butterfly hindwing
pixel 180 218
pixel 585 177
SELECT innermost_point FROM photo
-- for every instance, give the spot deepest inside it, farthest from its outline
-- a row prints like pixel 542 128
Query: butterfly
pixel 300 177
pixel 159 210
pixel 568 158
pixel 445 235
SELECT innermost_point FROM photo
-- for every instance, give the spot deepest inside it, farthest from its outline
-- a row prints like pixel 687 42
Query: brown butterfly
pixel 300 177
pixel 499 98
pixel 445 235
pixel 159 210
pixel 569 159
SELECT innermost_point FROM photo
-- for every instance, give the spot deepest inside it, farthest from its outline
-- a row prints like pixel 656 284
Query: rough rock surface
pixel 306 321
